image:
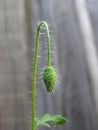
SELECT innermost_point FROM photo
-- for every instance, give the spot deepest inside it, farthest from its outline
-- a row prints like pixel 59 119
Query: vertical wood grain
pixel 12 67
pixel 77 102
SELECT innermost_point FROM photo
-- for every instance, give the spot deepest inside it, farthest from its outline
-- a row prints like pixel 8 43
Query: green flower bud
pixel 49 78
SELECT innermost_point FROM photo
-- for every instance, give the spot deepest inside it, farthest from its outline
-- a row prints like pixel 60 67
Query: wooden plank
pixel 76 100
pixel 89 48
pixel 13 67
pixel 93 9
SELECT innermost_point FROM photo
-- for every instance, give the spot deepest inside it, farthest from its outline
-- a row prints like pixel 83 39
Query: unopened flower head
pixel 49 78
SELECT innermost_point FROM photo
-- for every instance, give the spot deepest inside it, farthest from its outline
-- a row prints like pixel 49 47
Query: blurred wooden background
pixel 75 25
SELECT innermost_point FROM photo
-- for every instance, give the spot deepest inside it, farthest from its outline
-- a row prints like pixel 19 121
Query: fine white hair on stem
pixel 43 46
pixel 29 92
pixel 43 53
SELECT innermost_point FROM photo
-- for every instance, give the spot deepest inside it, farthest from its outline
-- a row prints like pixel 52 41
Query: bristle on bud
pixel 49 78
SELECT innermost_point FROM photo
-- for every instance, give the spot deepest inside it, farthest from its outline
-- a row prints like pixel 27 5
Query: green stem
pixel 35 66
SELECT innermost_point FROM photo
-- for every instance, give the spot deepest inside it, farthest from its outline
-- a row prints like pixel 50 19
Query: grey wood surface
pixel 13 67
pixel 73 97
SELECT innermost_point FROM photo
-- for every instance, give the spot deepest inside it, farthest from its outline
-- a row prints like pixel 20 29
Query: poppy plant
pixel 49 78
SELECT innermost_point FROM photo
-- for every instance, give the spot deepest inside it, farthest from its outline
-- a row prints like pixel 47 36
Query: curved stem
pixel 43 23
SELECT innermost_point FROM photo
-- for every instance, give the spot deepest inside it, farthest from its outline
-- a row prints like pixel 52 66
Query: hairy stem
pixel 43 23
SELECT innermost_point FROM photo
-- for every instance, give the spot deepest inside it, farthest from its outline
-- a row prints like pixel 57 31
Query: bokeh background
pixel 74 43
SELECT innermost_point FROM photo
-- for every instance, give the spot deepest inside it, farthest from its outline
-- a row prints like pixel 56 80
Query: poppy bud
pixel 49 78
